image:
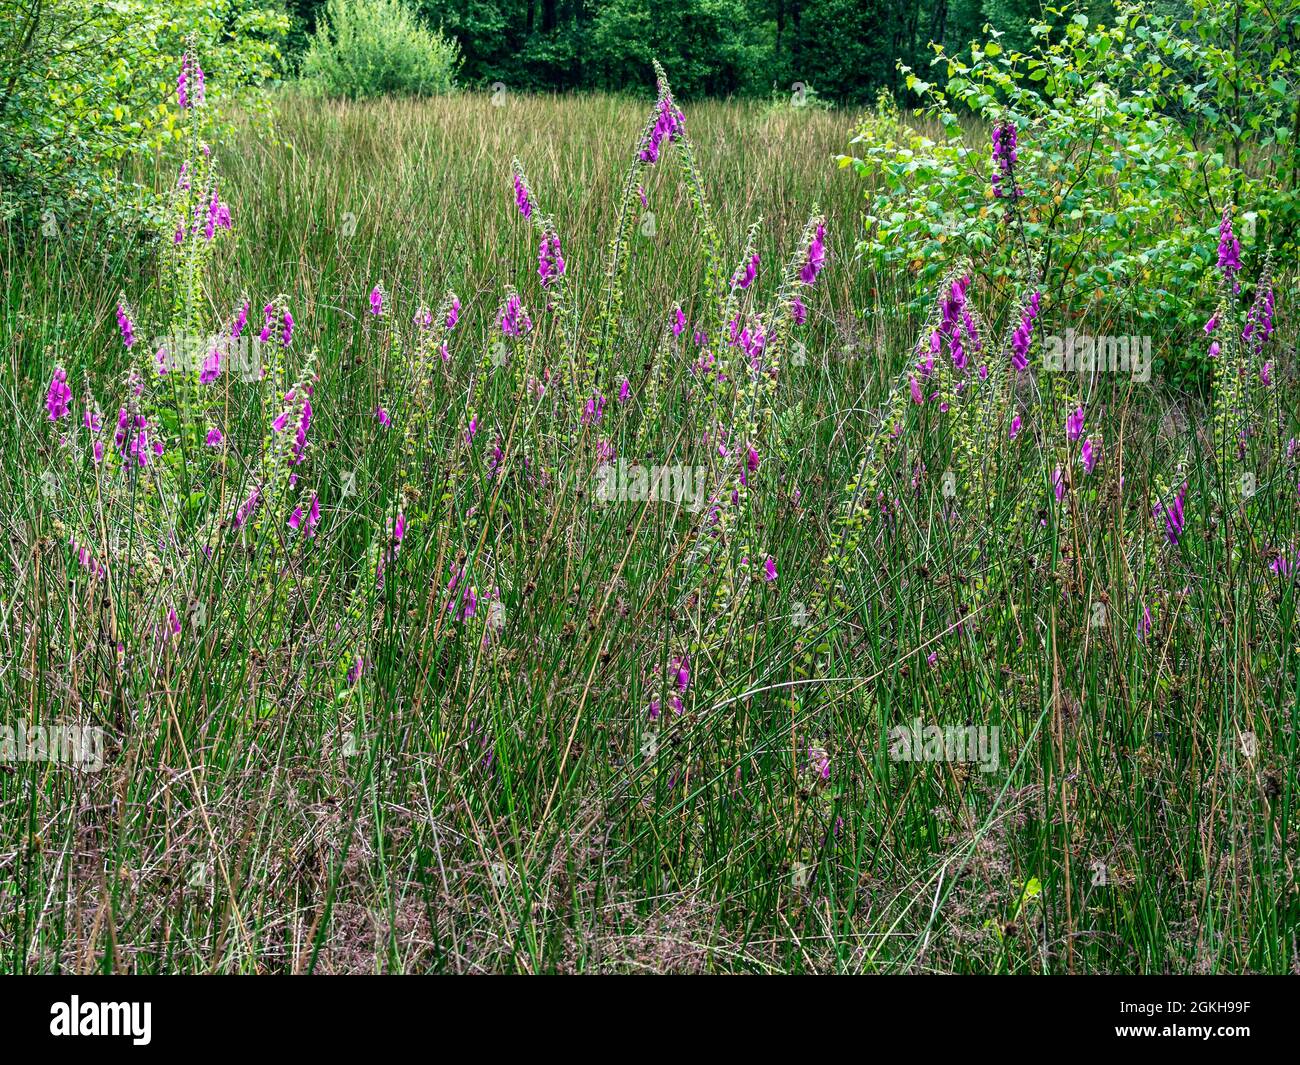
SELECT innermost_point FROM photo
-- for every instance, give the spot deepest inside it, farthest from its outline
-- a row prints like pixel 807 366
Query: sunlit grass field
pixel 535 787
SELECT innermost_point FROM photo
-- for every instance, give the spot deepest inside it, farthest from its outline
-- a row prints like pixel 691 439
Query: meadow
pixel 392 676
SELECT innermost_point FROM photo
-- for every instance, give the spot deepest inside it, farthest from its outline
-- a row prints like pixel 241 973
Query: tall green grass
pixel 509 803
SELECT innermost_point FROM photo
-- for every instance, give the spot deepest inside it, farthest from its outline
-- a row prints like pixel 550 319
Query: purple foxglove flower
pixel 1229 247
pixel 1074 425
pixel 58 395
pixel 514 320
pixel 550 260
pixel 1004 160
pixel 745 278
pixel 125 324
pixel 816 256
pixel 521 198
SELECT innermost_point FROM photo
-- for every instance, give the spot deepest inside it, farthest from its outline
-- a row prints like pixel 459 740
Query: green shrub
pixel 367 48
pixel 83 94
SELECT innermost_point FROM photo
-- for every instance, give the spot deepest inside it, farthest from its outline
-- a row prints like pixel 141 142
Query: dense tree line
pixel 846 50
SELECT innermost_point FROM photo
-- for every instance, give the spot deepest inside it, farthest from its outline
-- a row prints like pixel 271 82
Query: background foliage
pixel 84 92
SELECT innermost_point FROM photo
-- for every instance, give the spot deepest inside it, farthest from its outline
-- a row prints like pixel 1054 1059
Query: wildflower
pixel 917 396
pixel 382 417
pixel 377 301
pixel 679 321
pixel 1259 319
pixel 1074 425
pixel 1023 335
pixel 189 83
pixel 471 429
pixel 125 324
pixel 241 320
pixel 1089 455
pixel 668 123
pixel 286 338
pixel 246 509
pixel 1264 374
pixel 514 320
pixel 214 437
pixel 211 368
pixel 769 569
pixel 820 761
pixel 173 622
pixel 1004 160
pixel 453 314
pixel 300 437
pixel 816 256
pixel 521 197
pixel 681 670
pixel 550 260
pixel 1229 248
pixel 218 216
pixel 295 519
pixel 594 410
pixel 1175 519
pixel 798 312
pixel 355 670
pixel 59 395
pixel 399 528
pixel 1058 484
pixel 624 390
pixel 1015 428
pixel 268 313
pixel 745 278
pixel 1144 626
